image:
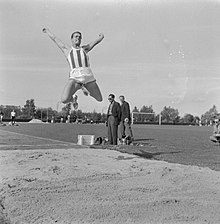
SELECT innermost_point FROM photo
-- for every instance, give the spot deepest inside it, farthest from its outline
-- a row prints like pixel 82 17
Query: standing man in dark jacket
pixel 113 119
pixel 124 127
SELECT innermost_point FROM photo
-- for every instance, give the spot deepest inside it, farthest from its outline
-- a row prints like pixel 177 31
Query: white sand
pixel 103 186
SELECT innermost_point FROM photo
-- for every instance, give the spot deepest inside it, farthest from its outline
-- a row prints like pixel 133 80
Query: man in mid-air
pixel 80 76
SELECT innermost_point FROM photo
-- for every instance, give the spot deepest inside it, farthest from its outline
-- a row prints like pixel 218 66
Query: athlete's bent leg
pixel 71 87
pixel 94 90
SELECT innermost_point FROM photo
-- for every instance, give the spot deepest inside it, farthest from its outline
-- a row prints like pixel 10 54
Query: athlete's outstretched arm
pixel 90 46
pixel 57 41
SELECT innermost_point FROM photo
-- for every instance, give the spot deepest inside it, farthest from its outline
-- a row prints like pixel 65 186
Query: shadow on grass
pixel 150 155
pixel 144 139
pixel 134 150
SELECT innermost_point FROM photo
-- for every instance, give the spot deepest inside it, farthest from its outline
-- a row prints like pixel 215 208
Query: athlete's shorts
pixel 82 75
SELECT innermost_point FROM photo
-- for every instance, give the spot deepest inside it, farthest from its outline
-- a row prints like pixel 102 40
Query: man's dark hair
pixel 74 33
pixel 122 96
pixel 112 95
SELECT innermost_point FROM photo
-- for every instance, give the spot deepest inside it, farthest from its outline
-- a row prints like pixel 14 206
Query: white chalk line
pixel 54 140
pixel 38 145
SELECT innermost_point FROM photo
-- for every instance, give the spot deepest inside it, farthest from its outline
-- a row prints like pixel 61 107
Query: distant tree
pixel 99 117
pixel 45 114
pixel 135 109
pixel 79 114
pixel 147 109
pixel 208 116
pixel 74 113
pixel 66 110
pixel 94 116
pixel 188 118
pixel 196 120
pixel 170 115
pixel 29 108
pixel 41 113
pixel 73 116
pixel 103 117
pixel 147 117
pixel 7 111
pixel 136 117
pixel 144 117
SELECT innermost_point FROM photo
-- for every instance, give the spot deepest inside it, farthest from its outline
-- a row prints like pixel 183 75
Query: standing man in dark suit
pixel 113 119
pixel 124 127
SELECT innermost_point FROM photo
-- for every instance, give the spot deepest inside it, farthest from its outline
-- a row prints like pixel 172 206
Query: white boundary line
pixel 39 145
pixel 70 143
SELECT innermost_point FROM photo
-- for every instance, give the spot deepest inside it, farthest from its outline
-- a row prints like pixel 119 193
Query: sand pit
pixel 103 186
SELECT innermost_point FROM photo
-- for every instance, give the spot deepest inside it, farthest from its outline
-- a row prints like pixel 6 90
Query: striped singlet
pixel 78 58
pixel 79 66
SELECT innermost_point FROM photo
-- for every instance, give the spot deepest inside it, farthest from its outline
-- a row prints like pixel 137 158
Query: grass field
pixel 177 144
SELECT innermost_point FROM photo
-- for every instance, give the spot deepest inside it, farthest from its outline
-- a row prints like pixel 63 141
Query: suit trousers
pixel 112 130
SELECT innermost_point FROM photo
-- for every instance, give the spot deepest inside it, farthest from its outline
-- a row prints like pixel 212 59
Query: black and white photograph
pixel 109 111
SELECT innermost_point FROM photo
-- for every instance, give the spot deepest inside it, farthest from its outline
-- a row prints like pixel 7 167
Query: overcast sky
pixel 155 52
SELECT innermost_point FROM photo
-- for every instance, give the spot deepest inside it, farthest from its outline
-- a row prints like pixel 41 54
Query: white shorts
pixel 82 75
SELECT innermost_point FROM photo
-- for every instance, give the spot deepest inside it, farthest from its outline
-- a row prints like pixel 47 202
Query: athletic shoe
pixel 85 91
pixel 75 104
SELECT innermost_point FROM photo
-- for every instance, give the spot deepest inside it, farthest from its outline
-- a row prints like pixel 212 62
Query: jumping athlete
pixel 81 76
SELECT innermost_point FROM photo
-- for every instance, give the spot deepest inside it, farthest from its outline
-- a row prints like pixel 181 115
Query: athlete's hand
pixel 44 30
pixel 101 36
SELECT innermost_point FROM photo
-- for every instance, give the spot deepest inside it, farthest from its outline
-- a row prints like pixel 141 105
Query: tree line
pixel 30 111
pixel 168 114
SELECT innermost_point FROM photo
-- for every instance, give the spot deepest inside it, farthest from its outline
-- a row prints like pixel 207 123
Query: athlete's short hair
pixel 122 96
pixel 74 33
pixel 112 96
